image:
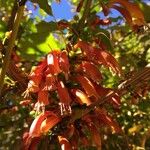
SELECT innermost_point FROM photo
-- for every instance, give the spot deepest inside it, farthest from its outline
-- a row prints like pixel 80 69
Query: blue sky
pixel 63 10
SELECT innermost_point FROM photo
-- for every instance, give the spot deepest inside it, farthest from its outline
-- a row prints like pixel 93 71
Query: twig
pixel 11 42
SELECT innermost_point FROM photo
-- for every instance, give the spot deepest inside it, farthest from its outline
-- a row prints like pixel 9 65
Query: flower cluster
pixel 63 81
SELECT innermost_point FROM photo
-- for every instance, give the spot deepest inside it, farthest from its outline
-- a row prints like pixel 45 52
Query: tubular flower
pixel 64 98
pixel 41 124
pixel 87 86
pixel 64 143
pixel 64 63
pixel 99 56
pixel 91 71
pixel 53 63
pixel 50 81
pixel 81 97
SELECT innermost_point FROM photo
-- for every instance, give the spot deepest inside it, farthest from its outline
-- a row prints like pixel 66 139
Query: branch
pixel 146 136
pixel 17 75
pixel 12 16
pixel 85 14
pixel 11 42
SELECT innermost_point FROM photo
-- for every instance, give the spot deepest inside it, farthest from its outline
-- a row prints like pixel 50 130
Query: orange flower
pixel 87 86
pixel 63 93
pixel 99 56
pixel 64 63
pixel 50 82
pixel 53 63
pixel 65 144
pixel 48 123
pixel 40 126
pixel 91 71
pixel 81 97
pixel 39 68
pixel 64 98
pixel 43 97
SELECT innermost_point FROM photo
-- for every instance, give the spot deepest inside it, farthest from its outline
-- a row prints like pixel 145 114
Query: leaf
pixel 87 86
pixel 109 61
pixel 38 42
pixel 30 143
pixel 133 9
pixel 34 143
pixel 125 13
pixel 43 4
pixel 145 9
pixel 3 29
pixel 65 144
pixel 81 97
pixel 104 39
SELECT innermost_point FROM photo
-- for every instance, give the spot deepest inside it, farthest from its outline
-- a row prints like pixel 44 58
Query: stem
pixel 12 17
pixel 11 42
pixel 85 14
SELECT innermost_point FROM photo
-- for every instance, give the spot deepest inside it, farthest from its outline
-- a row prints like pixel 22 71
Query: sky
pixel 64 9
pixel 61 10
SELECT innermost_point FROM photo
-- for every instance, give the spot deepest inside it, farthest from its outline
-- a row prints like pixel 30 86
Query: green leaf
pixel 3 29
pixel 37 39
pixel 43 4
pixel 104 36
pixel 145 8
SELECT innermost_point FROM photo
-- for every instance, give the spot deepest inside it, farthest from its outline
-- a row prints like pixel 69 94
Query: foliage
pixel 75 84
